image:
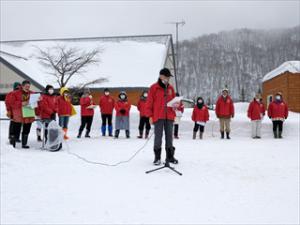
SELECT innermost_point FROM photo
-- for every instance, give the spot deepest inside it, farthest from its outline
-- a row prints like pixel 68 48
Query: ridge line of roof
pixel 90 38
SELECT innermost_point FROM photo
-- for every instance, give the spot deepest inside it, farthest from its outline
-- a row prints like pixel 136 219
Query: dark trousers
pixel 144 122
pixel 86 121
pixel 17 129
pixel 160 126
pixel 176 127
pixel 197 126
pixel 106 118
pixel 277 124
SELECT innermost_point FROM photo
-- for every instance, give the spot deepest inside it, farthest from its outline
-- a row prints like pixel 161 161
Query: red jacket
pixel 15 102
pixel 8 103
pixel 125 105
pixel 48 106
pixel 106 104
pixel 256 110
pixel 64 106
pixel 142 107
pixel 180 107
pixel 201 115
pixel 84 103
pixel 224 107
pixel 278 110
pixel 156 106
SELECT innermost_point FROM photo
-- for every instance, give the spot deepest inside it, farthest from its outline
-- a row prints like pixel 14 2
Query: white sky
pixel 63 19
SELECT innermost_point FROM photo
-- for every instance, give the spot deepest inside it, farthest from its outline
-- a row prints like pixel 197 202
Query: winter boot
pixel 127 134
pixel 279 134
pixel 147 134
pixel 275 133
pixel 38 134
pixel 103 130
pixel 227 135
pixel 201 135
pixel 12 141
pixel 170 155
pixel 222 134
pixel 110 131
pixel 87 134
pixel 24 141
pixel 65 133
pixel 194 135
pixel 79 134
pixel 141 134
pixel 157 153
pixel 117 132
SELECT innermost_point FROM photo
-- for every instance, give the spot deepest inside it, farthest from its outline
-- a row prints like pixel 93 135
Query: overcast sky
pixel 63 19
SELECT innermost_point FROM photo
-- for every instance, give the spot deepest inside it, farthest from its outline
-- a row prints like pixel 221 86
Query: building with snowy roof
pixel 129 63
pixel 284 79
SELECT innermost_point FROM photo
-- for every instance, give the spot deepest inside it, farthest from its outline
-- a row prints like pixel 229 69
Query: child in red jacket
pixel 144 120
pixel 179 111
pixel 64 110
pixel 256 112
pixel 200 116
pixel 122 108
pixel 87 113
pixel 278 112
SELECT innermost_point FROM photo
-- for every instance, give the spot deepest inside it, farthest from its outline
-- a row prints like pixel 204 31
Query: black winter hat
pixel 166 72
pixel 106 89
pixel 48 87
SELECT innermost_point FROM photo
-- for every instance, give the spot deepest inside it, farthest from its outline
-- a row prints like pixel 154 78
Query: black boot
pixel 117 132
pixel 127 134
pixel 87 134
pixel 201 135
pixel 157 153
pixel 227 135
pixel 147 134
pixel 12 141
pixel 275 133
pixel 279 134
pixel 141 134
pixel 24 141
pixel 170 155
pixel 79 134
pixel 222 134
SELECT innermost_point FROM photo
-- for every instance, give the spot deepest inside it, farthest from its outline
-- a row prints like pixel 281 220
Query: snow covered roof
pixel 132 61
pixel 291 66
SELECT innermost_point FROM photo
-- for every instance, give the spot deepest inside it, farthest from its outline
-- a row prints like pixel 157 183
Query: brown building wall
pixel 289 85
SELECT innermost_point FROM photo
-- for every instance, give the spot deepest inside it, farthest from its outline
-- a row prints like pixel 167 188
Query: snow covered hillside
pixel 237 181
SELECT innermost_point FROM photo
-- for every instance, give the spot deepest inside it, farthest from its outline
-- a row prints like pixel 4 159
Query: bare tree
pixel 64 62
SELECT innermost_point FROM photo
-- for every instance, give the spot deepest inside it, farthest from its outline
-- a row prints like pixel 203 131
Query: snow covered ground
pixel 237 181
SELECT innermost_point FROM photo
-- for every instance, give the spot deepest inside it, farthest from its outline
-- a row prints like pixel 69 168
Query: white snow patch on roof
pixel 125 63
pixel 291 66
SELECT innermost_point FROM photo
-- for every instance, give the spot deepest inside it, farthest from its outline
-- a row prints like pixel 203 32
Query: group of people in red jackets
pixel 152 105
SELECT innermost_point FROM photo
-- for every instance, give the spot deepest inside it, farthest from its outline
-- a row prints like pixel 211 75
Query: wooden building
pixel 130 63
pixel 284 79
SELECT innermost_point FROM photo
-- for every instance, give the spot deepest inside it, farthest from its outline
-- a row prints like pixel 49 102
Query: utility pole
pixel 177 23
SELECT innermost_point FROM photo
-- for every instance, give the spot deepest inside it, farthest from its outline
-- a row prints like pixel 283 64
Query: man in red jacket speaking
pixel 161 115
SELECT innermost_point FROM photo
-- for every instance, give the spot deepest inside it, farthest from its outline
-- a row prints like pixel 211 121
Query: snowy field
pixel 237 181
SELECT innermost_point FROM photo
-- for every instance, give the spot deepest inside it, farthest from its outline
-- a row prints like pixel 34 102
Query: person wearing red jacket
pixel 224 112
pixel 200 116
pixel 256 112
pixel 16 86
pixel 106 104
pixel 64 110
pixel 162 115
pixel 20 99
pixel 278 112
pixel 122 108
pixel 144 120
pixel 87 113
pixel 178 111
pixel 48 107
